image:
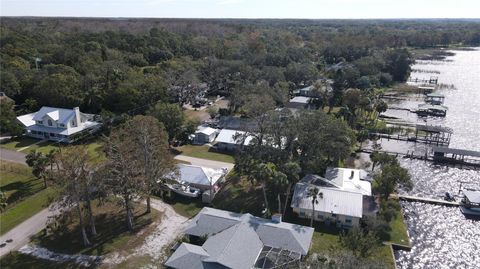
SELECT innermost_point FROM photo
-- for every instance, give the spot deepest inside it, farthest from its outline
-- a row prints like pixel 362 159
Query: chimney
pixel 277 218
pixel 77 116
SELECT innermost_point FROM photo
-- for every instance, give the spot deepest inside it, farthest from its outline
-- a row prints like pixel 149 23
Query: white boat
pixel 470 204
pixel 184 190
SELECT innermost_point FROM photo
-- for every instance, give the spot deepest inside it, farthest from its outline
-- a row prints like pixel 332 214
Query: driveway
pixel 12 156
pixel 205 162
pixel 21 233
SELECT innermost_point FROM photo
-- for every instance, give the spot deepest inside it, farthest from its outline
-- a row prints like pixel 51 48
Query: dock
pixel 428 200
pixel 456 156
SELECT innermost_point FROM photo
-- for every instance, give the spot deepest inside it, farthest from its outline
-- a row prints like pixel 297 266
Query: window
pixel 52 134
pixel 334 215
pixel 320 216
pixel 72 122
pixel 50 123
pixel 62 125
pixel 40 122
pixel 302 214
pixel 348 221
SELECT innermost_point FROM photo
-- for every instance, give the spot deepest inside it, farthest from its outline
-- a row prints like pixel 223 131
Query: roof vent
pixel 352 174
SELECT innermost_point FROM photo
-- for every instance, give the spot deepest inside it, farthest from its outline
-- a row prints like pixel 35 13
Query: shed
pixel 205 134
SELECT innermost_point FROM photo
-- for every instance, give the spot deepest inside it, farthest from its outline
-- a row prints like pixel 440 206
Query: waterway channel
pixel 441 236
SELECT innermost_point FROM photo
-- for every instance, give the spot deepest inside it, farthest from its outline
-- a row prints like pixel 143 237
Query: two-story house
pixel 58 124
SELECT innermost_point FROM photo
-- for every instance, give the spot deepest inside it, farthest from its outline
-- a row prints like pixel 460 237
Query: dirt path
pixel 169 229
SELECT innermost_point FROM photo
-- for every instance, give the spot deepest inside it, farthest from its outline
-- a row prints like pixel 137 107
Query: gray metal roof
pixel 61 115
pixel 235 240
pixel 472 196
pixel 456 151
pixel 287 236
pixel 236 247
pixel 187 256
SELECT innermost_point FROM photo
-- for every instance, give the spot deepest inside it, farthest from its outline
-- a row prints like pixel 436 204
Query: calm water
pixel 441 236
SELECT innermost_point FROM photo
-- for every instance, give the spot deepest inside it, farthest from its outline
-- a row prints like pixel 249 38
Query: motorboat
pixel 470 204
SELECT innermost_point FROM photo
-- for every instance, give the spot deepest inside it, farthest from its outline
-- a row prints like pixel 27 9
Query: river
pixel 441 236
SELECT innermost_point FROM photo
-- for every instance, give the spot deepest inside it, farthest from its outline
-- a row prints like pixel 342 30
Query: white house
pixel 200 177
pixel 204 134
pixel 229 140
pixel 342 198
pixel 58 124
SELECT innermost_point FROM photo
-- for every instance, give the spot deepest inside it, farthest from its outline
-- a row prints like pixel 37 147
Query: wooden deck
pixel 427 200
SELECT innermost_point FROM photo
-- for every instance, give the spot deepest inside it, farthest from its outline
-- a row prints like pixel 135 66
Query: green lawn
pixel 399 234
pixel 26 144
pixel 25 209
pixel 25 194
pixel 185 206
pixel 204 152
pixel 17 182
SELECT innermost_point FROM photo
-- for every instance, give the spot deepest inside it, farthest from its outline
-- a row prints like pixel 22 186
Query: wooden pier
pixel 427 200
pixel 426 134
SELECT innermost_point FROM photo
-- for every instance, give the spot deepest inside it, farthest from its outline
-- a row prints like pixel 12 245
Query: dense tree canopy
pixel 113 65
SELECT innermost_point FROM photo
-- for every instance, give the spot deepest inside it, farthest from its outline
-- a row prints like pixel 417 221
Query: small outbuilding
pixel 204 135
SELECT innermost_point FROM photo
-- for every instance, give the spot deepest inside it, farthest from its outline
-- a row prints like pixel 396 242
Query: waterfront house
pixel 242 241
pixel 344 197
pixel 58 124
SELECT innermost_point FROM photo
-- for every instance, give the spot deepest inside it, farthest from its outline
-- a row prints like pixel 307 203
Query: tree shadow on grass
pixel 22 189
pixel 112 233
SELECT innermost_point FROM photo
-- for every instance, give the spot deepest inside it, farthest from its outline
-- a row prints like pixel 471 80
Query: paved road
pixel 21 233
pixel 12 156
pixel 204 162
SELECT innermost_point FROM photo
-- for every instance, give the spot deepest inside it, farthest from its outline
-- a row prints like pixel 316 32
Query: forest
pixel 113 66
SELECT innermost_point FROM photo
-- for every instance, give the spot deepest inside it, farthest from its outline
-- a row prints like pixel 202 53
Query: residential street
pixel 12 156
pixel 205 162
pixel 22 232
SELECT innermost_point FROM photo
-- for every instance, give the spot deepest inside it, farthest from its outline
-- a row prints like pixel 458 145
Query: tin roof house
pixel 58 124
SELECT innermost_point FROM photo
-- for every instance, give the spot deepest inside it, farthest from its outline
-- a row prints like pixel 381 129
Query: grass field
pixel 399 234
pixel 204 152
pixel 25 194
pixel 185 206
pixel 26 145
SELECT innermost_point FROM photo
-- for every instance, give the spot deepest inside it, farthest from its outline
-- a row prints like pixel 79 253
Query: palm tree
pixel 313 193
pixel 292 171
